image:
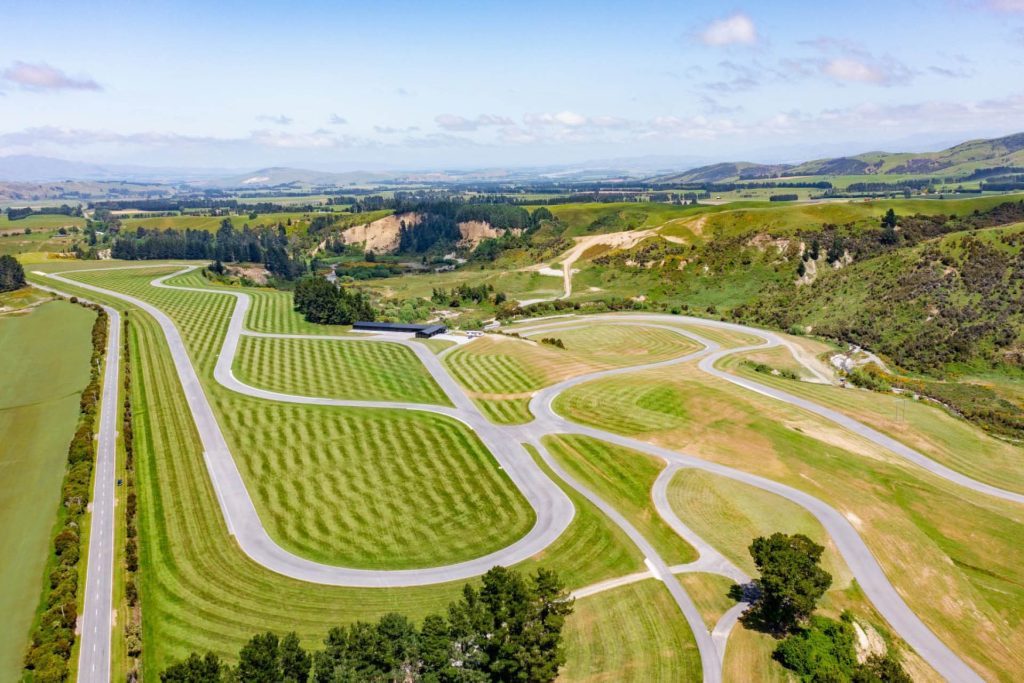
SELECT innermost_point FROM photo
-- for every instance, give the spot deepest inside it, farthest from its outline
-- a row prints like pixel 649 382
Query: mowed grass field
pixel 919 424
pixel 633 633
pixel 45 367
pixel 200 592
pixel 623 479
pixel 930 536
pixel 374 371
pixel 347 486
pixel 495 365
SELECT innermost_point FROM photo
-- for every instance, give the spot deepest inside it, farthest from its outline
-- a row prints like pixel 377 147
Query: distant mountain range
pixel 959 161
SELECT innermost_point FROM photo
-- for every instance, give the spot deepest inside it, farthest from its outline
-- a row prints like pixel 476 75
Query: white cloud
pixel 280 120
pixel 563 118
pixel 461 123
pixel 737 29
pixel 42 77
pixel 336 120
pixel 849 69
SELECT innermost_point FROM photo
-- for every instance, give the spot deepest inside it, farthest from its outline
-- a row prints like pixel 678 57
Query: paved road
pixel 244 523
pixel 707 364
pixel 97 615
pixel 886 600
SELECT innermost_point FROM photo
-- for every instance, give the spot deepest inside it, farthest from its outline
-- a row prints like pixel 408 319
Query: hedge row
pixel 54 635
pixel 133 624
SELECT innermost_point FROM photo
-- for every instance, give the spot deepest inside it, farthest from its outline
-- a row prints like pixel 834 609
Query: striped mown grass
pixel 508 411
pixel 497 364
pixel 374 371
pixel 201 593
pixel 386 489
pixel 633 633
pixel 270 310
pixel 355 487
pixel 623 478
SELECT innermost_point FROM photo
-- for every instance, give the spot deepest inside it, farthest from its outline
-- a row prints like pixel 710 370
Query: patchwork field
pixel 38 413
pixel 908 518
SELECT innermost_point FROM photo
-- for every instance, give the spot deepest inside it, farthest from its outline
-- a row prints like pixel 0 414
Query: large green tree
pixel 790 584
pixel 12 275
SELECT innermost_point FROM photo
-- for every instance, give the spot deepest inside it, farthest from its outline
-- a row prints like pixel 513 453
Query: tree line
pixel 269 246
pixel 509 629
pixel 324 303
pixel 62 210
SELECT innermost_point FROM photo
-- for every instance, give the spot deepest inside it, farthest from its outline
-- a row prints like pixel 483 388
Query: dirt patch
pixel 381 235
pixel 257 274
pixel 474 231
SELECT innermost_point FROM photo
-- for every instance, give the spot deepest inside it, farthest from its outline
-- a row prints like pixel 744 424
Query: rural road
pixel 554 510
pixel 97 615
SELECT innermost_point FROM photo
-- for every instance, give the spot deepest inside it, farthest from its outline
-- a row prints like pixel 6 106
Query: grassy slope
pixel 631 633
pixel 623 479
pixel 931 537
pixel 348 486
pixel 46 366
pixel 919 424
pixel 338 369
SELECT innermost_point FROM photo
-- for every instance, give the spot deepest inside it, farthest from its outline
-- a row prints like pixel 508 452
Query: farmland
pixel 38 413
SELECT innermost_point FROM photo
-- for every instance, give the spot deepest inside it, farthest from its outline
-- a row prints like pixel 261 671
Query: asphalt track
pixel 553 508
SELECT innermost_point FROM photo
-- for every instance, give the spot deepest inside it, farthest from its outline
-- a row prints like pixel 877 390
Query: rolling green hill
pixel 963 161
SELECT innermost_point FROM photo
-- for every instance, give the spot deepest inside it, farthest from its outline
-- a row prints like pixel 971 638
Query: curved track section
pixel 554 509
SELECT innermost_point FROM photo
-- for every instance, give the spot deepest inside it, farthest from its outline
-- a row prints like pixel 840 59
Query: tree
pixel 790 583
pixel 259 660
pixel 195 669
pixel 295 662
pixel 12 275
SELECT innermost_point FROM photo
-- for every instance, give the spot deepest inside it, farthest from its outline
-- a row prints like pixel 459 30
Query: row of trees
pixel 54 634
pixel 510 629
pixel 265 245
pixel 325 303
pixel 12 275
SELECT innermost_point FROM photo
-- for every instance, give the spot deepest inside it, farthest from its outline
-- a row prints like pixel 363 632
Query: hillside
pixel 963 161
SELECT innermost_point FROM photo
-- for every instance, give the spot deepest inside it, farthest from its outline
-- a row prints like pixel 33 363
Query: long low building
pixel 421 331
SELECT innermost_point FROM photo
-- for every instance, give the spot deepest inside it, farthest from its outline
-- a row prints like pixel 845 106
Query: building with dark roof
pixel 421 331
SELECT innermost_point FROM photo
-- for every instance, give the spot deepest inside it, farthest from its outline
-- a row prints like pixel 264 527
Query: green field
pixel 295 222
pixel 623 479
pixel 632 633
pixel 373 371
pixel 43 240
pixel 347 486
pixel 46 366
pixel 200 592
pixel 40 222
pixel 496 366
pixel 505 411
pixel 910 519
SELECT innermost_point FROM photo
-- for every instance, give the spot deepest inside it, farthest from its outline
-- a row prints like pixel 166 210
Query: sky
pixel 440 85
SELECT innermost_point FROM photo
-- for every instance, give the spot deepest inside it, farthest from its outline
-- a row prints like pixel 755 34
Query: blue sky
pixel 406 85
